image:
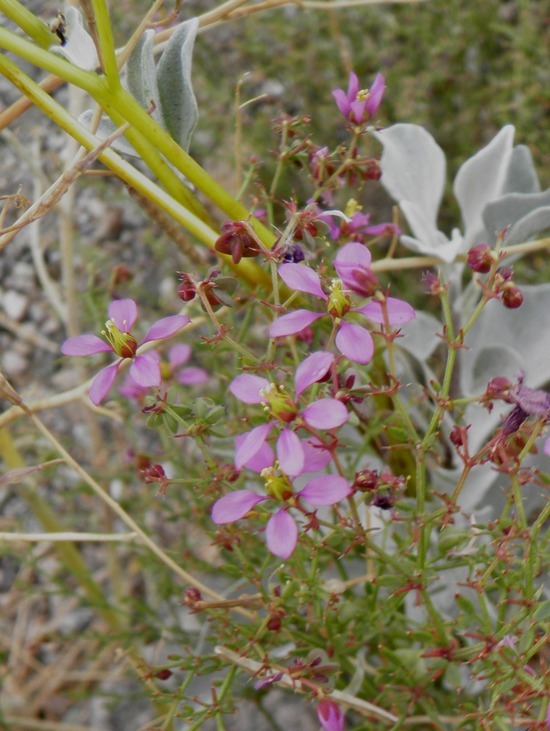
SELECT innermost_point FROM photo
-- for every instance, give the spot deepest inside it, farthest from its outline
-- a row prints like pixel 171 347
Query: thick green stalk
pixel 106 43
pixel 120 104
pixel 28 22
pixel 245 270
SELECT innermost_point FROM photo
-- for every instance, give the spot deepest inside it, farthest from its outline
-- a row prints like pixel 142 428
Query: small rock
pixel 15 304
pixel 13 363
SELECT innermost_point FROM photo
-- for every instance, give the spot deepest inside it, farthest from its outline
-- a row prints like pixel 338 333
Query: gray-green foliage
pixel 496 188
pixel 167 85
pixel 164 88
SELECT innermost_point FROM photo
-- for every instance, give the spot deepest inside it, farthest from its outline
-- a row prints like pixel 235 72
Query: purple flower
pixel 359 105
pixel 292 456
pixel 330 715
pixel 352 264
pixel 281 529
pixel 145 369
pixel 178 355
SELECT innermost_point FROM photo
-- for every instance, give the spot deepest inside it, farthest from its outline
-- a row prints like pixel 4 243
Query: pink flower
pixel 178 355
pixel 330 715
pixel 281 529
pixel 359 105
pixel 145 369
pixel 326 413
pixel 352 264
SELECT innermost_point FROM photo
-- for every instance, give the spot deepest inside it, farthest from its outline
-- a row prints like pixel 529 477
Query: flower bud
pixel 512 298
pixel 372 170
pixel 187 289
pixel 480 258
pixel 433 284
pixel 366 480
pixel 163 674
pixel 384 502
pixel 236 241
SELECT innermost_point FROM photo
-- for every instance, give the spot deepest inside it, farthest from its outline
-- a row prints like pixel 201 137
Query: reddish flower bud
pixel 505 273
pixel 366 480
pixel 497 388
pixel 384 502
pixel 192 596
pixel 433 284
pixel 187 289
pixel 163 674
pixel 512 296
pixel 459 436
pixel 480 258
pixel 236 241
pixel 372 170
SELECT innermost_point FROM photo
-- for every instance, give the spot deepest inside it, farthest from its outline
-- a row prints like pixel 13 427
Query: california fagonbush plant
pixel 354 478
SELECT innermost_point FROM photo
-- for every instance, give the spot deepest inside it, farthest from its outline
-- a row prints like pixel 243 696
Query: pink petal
pixel 145 371
pixel 351 257
pixel 326 413
pixel 302 278
pixel 355 343
pixel 234 506
pixel 166 327
pixel 317 457
pixel 293 323
pixel 179 354
pixel 353 86
pixel 546 447
pixel 342 101
pixel 383 229
pixel 358 111
pixel 192 376
pixel 123 313
pixel 312 369
pixel 281 534
pixel 102 383
pixel 132 390
pixel 263 458
pixel 252 444
pixel 248 387
pixel 290 453
pixel 84 345
pixel 376 92
pixel 326 490
pixel 330 715
pixel 399 312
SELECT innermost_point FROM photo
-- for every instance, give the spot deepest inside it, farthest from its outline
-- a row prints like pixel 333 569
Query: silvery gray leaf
pixel 480 180
pixel 512 210
pixel 105 129
pixel 492 362
pixel 142 75
pixel 413 172
pixel 529 226
pixel 521 176
pixel 421 335
pixel 177 99
pixel 523 331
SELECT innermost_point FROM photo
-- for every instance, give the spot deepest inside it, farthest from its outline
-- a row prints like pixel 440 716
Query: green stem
pixel 106 43
pixel 119 103
pixel 29 23
pixel 245 270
